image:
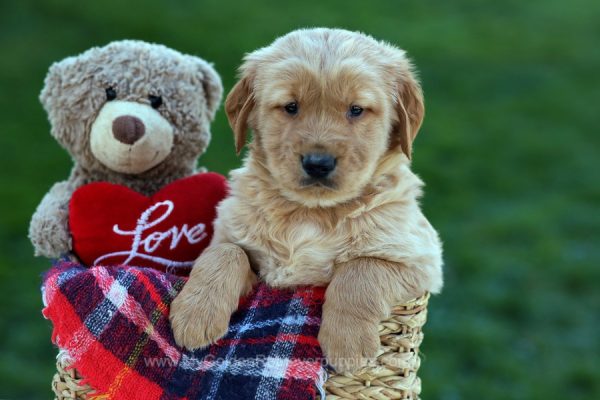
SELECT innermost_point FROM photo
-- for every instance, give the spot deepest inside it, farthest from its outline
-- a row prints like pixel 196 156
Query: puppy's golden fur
pixel 361 232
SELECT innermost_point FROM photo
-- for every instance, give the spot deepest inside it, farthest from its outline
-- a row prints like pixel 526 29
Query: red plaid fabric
pixel 113 322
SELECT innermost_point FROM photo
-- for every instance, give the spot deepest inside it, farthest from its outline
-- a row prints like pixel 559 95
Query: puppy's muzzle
pixel 318 165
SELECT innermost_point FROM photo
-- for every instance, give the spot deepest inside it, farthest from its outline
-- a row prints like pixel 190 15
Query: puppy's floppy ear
pixel 410 109
pixel 238 105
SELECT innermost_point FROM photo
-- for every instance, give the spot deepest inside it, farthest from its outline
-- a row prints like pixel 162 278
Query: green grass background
pixel 509 151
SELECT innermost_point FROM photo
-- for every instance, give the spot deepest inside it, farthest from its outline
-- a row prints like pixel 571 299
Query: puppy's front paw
pixel 197 321
pixel 348 343
pixel 200 313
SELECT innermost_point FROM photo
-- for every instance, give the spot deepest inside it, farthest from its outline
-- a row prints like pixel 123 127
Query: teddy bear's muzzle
pixel 130 137
pixel 128 129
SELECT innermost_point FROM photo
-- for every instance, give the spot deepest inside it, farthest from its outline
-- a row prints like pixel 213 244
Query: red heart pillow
pixel 114 225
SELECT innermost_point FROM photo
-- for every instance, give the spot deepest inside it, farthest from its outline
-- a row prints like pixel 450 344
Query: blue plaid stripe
pixel 97 320
pixel 282 350
pixel 101 316
pixel 240 331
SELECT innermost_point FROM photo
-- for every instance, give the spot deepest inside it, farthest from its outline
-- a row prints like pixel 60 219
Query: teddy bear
pixel 135 117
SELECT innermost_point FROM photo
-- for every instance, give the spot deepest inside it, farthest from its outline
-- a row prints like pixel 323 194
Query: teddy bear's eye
pixel 111 94
pixel 155 101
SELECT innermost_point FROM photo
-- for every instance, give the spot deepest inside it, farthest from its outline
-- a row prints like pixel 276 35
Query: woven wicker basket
pixel 394 376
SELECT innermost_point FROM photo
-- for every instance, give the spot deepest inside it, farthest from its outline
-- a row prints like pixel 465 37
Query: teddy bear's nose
pixel 128 129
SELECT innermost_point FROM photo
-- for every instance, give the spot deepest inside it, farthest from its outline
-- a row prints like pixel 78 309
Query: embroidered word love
pixel 142 246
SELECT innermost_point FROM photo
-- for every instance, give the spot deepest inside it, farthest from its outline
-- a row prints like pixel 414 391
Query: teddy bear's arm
pixel 49 227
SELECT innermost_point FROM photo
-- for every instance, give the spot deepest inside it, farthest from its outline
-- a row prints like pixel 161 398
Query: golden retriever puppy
pixel 325 195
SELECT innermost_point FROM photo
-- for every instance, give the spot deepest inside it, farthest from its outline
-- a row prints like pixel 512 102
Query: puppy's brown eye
pixel 291 108
pixel 155 101
pixel 111 94
pixel 355 111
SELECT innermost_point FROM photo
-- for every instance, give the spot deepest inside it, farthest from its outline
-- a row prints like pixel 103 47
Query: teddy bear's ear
pixel 52 85
pixel 65 93
pixel 211 84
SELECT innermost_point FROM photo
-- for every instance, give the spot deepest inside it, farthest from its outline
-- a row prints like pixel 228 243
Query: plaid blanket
pixel 113 322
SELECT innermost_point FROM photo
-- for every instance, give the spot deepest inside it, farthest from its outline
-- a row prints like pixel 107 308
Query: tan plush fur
pixel 177 132
pixel 364 233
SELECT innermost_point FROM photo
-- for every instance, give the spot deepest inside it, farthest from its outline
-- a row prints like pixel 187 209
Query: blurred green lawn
pixel 509 150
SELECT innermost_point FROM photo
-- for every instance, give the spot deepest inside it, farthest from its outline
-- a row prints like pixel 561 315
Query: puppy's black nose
pixel 318 165
pixel 128 129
